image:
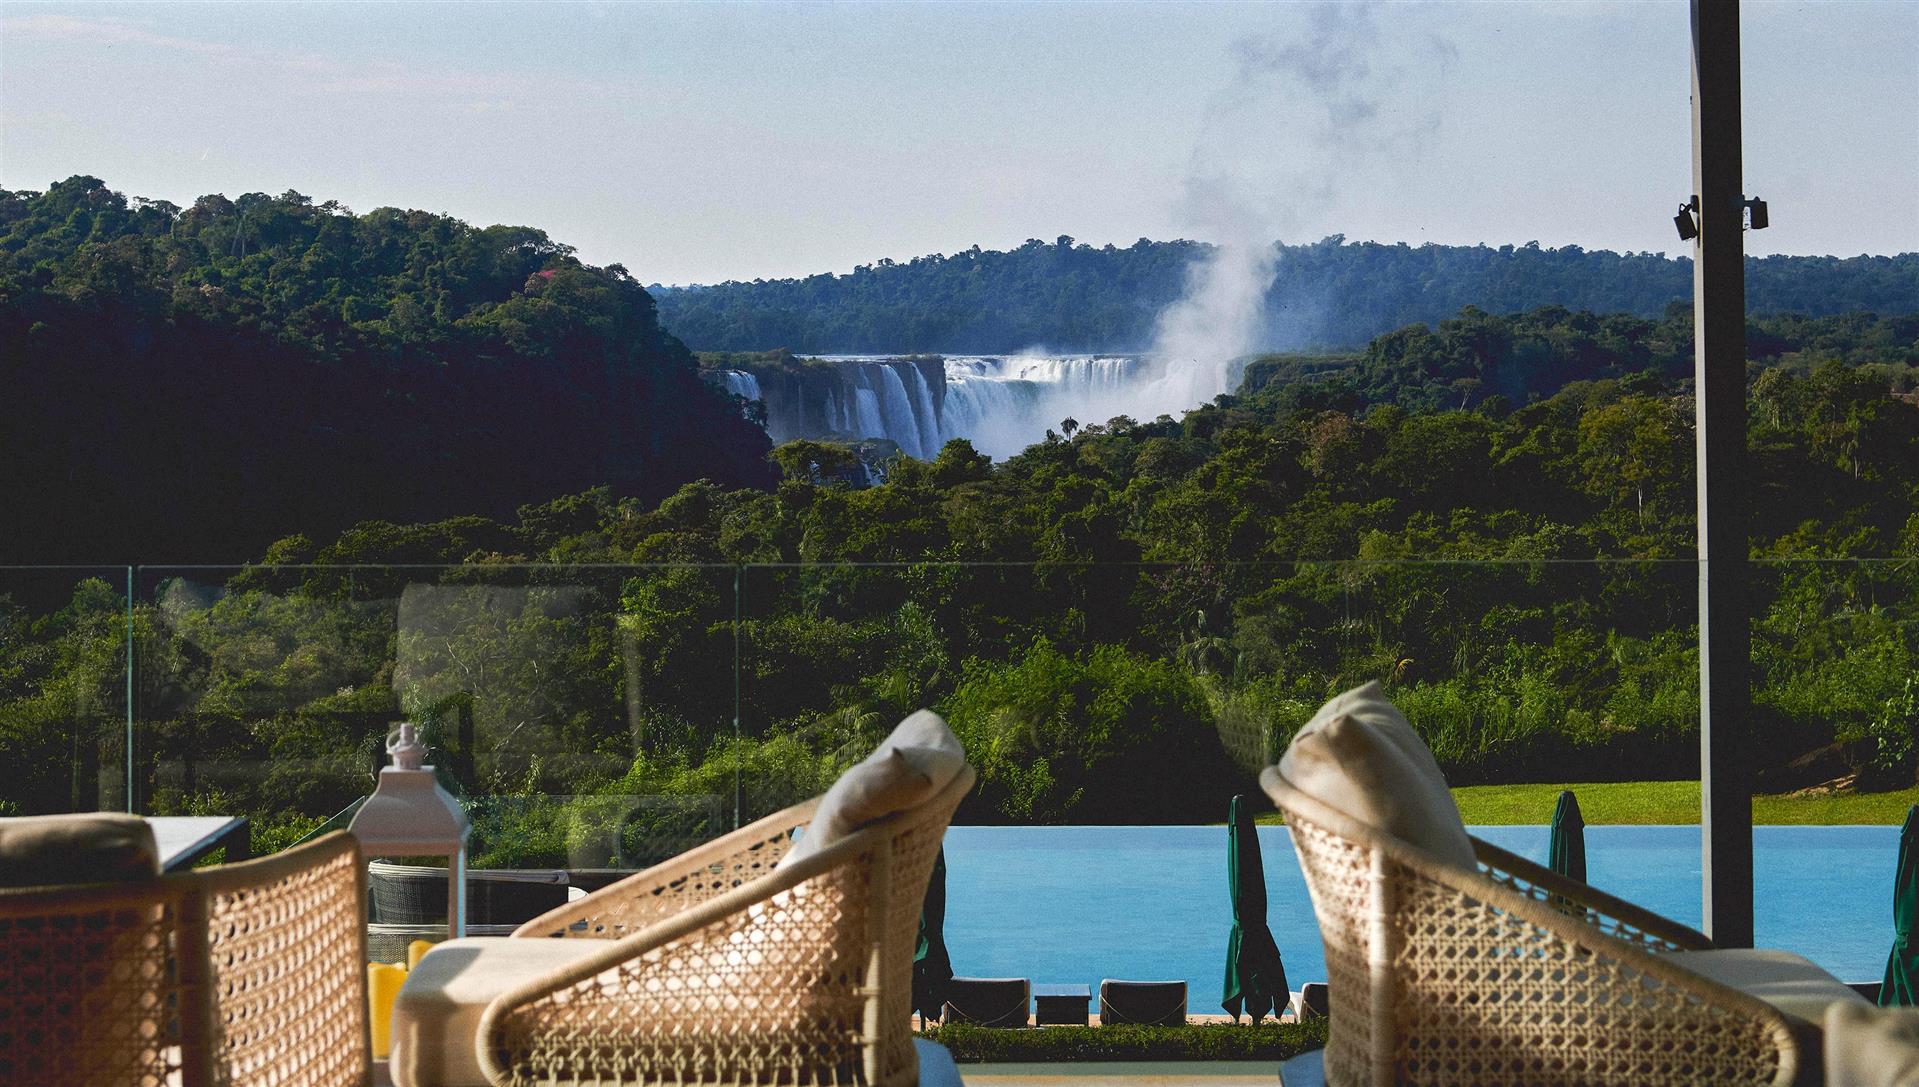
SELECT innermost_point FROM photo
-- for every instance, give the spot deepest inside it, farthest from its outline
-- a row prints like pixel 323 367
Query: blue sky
pixel 695 143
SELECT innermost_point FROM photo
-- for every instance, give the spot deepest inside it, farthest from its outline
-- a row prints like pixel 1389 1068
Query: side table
pixel 1061 1005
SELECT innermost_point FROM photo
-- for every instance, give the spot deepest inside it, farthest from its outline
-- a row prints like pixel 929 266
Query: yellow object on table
pixel 383 981
pixel 416 949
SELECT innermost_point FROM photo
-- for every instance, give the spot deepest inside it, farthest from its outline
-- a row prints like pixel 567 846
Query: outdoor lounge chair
pixel 988 1002
pixel 404 894
pixel 234 975
pixel 749 960
pixel 1157 1003
pixel 1454 962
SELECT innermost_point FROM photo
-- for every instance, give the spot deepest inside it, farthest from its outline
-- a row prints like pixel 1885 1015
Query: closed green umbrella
pixel 932 968
pixel 1901 986
pixel 1255 978
pixel 1567 852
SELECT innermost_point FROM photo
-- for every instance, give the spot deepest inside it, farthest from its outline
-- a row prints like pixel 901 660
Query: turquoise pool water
pixel 1077 904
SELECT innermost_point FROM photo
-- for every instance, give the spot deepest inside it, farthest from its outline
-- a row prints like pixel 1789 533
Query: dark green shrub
pixel 1268 1041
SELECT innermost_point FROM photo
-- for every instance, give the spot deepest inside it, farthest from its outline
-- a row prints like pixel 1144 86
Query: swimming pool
pixel 1077 904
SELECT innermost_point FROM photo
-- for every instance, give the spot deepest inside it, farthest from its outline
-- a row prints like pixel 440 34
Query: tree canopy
pixel 193 383
pixel 1066 296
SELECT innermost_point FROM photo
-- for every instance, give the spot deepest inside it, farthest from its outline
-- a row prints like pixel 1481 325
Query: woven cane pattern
pixel 1485 979
pixel 1490 997
pixel 801 978
pixel 287 974
pixel 90 995
pixel 768 996
pixel 1337 878
pixel 666 889
pixel 1620 920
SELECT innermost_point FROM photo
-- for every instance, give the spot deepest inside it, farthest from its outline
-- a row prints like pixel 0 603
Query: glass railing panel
pixel 63 689
pixel 1113 710
pixel 1835 686
pixel 567 706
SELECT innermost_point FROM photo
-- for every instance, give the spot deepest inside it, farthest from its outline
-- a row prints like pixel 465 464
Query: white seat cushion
pixel 437 1016
pixel 1795 986
pixel 918 759
pixel 1360 757
pixel 1871 1047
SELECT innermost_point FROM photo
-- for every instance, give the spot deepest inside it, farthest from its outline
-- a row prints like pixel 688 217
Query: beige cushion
pixel 95 847
pixel 436 1018
pixel 918 760
pixel 1794 985
pixel 1360 757
pixel 1871 1047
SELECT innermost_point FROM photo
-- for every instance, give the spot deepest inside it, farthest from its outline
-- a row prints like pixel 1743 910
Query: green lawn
pixel 1664 802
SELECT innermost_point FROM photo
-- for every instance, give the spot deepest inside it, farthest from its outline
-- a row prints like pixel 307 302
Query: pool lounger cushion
pixel 1152 1003
pixel 988 1002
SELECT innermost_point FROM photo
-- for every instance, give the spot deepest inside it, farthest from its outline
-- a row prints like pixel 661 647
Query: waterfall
pixel 901 427
pixel 742 383
pixel 1000 403
pixel 865 409
pixel 926 413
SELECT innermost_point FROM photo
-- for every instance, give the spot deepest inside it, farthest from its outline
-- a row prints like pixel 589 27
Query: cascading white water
pixel 1000 403
pixel 926 412
pixel 902 425
pixel 865 409
pixel 742 383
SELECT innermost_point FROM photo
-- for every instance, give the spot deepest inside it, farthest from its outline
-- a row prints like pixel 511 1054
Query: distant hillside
pixel 190 384
pixel 1332 294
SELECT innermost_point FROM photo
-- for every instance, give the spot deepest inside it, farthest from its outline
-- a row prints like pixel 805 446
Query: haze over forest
pixel 1067 297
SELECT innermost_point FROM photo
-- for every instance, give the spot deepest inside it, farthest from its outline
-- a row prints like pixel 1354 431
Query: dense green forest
pixel 194 383
pixel 1122 622
pixel 1331 294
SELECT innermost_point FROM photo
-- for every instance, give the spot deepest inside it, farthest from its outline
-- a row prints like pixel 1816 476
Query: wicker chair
pixel 1512 974
pixel 719 967
pixel 241 974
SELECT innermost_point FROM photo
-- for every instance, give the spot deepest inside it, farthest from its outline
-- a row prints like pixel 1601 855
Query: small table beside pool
pixel 1061 1005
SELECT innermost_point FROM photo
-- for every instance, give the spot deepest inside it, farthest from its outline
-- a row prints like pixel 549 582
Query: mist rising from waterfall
pixel 1298 123
pixel 1301 113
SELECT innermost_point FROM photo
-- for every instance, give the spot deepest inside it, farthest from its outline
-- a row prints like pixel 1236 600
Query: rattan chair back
pixel 725 968
pixel 1509 975
pixel 242 974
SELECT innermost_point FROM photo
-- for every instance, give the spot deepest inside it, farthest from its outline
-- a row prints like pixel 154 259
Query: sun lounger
pixel 988 1002
pixel 1154 1003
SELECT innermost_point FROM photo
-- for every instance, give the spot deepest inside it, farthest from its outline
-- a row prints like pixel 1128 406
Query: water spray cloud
pixel 1303 113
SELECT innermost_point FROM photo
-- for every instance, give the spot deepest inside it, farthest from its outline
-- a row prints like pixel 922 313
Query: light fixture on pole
pixel 410 815
pixel 1756 214
pixel 1688 226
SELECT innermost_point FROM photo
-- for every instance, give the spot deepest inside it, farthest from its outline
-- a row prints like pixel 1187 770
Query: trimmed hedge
pixel 1269 1041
